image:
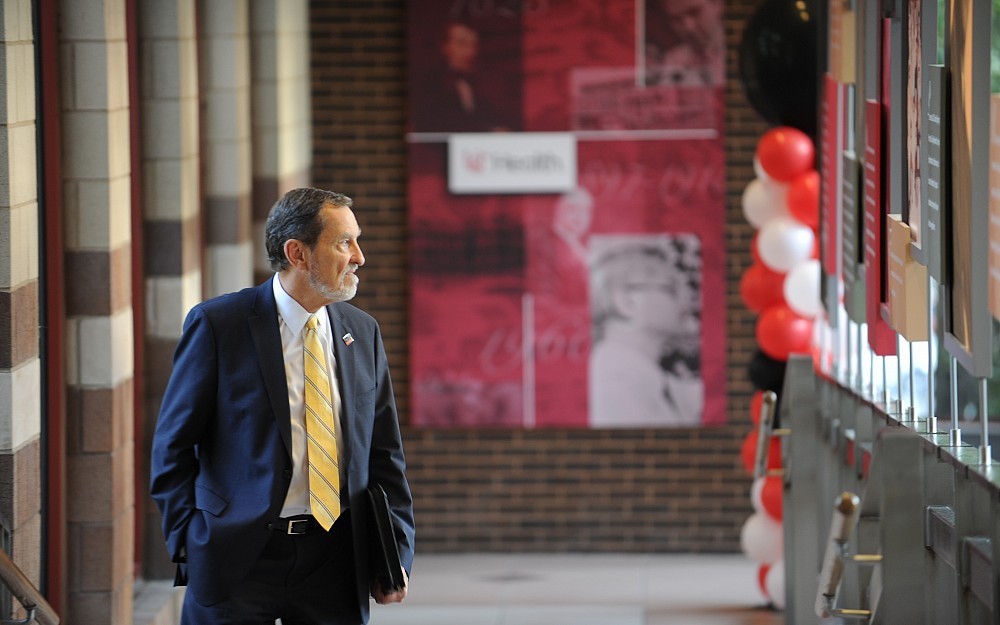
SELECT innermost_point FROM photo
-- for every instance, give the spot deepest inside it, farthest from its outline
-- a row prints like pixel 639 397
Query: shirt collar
pixel 292 313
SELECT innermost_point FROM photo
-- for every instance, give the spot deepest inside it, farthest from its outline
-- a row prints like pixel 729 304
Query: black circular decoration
pixel 778 63
pixel 766 373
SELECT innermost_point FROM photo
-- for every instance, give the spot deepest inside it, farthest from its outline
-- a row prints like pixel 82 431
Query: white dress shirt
pixel 292 320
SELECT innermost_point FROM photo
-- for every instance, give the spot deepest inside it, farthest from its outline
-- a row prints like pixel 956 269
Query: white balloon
pixel 783 243
pixel 755 493
pixel 801 289
pixel 774 583
pixel 758 169
pixel 762 539
pixel 764 200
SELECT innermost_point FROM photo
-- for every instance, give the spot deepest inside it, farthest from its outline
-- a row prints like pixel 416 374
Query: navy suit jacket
pixel 221 457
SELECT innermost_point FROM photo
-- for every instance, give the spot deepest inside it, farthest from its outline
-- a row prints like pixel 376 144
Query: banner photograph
pixel 567 213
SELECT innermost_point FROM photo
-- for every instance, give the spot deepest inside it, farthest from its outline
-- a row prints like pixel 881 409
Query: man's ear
pixel 297 253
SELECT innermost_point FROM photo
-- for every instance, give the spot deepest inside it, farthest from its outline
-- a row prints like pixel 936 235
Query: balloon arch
pixel 779 72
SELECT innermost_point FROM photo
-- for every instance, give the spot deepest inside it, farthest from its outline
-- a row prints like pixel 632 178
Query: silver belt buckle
pixel 292 525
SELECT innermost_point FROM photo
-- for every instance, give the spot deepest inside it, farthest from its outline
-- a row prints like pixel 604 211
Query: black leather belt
pixel 295 526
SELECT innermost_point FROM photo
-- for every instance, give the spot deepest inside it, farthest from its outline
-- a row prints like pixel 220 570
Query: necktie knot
pixel 313 322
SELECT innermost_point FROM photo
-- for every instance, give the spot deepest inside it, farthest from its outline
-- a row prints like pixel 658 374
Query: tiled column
pixel 99 350
pixel 172 230
pixel 20 371
pixel 225 90
pixel 282 119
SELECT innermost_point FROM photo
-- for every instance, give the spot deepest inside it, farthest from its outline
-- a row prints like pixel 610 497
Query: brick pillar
pixel 282 113
pixel 20 371
pixel 225 91
pixel 171 228
pixel 99 350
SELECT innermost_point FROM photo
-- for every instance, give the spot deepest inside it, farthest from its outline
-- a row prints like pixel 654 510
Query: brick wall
pixel 513 490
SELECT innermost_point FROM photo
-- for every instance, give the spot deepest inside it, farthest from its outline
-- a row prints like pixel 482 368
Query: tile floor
pixel 581 589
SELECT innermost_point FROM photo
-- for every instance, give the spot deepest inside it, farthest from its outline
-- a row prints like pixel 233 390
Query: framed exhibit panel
pixel 994 177
pixel 994 244
pixel 881 337
pixel 966 318
pixel 917 57
pixel 853 250
pixel 896 102
pixel 873 151
pixel 832 110
pixel 935 167
pixel 932 132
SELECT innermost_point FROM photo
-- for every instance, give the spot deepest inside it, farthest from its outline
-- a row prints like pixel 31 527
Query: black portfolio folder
pixel 383 551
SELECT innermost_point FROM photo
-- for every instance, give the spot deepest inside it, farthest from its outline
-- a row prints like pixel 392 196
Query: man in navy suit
pixel 229 458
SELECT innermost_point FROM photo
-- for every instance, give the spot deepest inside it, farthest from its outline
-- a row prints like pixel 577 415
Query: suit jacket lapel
pixel 267 339
pixel 344 355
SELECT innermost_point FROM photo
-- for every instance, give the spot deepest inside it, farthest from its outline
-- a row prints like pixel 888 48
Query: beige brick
pixel 165 185
pixel 92 20
pixel 20 404
pixel 105 349
pixel 163 80
pixel 167 19
pixel 118 88
pixel 227 63
pixel 228 115
pixel 229 268
pixel 18 245
pixel 228 168
pixel 224 17
pixel 18 93
pixel 163 128
pixel 91 75
pixel 85 147
pixel 119 136
pixel 265 48
pixel 23 185
pixel 17 21
pixel 168 300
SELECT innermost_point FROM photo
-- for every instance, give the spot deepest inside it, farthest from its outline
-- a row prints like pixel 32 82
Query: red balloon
pixel 762 287
pixel 755 403
pixel 785 152
pixel 771 496
pixel 781 331
pixel 761 576
pixel 754 254
pixel 803 198
pixel 748 452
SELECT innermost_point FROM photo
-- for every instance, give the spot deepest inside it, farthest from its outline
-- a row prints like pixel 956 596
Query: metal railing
pixel 37 608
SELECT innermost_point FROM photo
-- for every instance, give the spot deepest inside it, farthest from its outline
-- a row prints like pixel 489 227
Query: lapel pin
pixel 348 339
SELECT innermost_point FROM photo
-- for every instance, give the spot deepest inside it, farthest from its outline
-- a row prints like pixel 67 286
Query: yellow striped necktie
pixel 321 437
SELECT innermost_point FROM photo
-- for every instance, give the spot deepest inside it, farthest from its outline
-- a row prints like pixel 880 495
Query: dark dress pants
pixel 302 579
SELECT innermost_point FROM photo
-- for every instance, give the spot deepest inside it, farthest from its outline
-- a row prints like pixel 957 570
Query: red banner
pixel 602 306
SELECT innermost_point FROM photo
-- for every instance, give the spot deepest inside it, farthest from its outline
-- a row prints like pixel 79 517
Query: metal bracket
pixel 29 619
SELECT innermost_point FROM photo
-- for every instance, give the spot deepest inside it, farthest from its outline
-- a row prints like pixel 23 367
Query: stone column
pixel 282 113
pixel 225 91
pixel 20 368
pixel 99 336
pixel 171 215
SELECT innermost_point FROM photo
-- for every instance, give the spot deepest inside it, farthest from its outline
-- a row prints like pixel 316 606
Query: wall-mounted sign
pixel 517 162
